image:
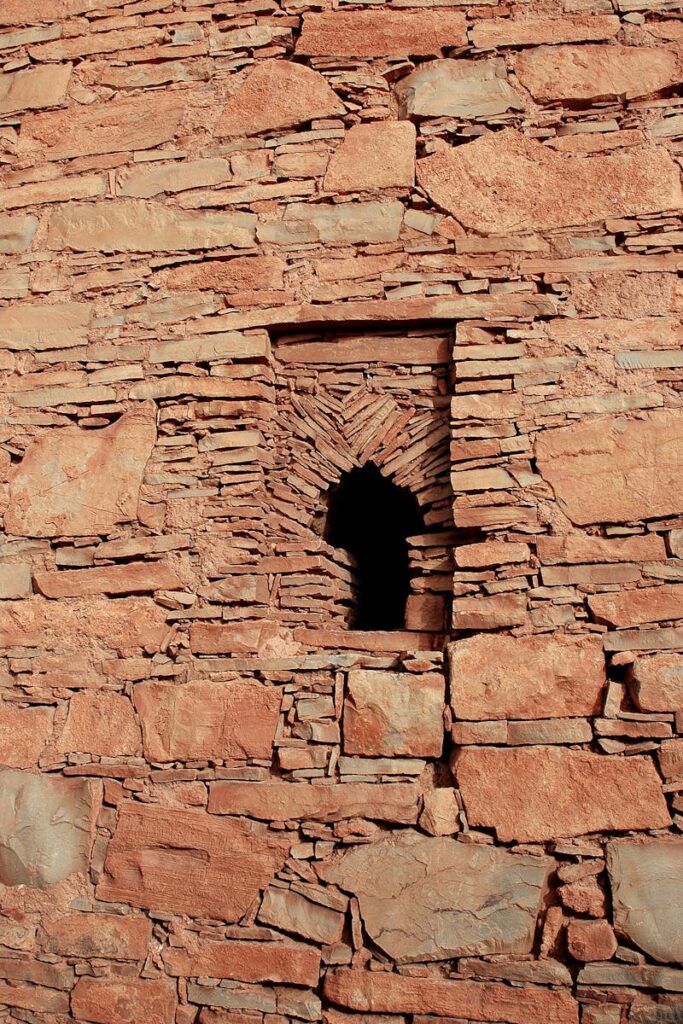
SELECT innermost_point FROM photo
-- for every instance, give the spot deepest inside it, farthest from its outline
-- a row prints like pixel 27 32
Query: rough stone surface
pixel 189 862
pixel 24 734
pixel 214 720
pixel 294 964
pixel 507 182
pixel 635 607
pixel 647 892
pixel 124 1001
pixel 591 940
pixel 102 935
pixel 282 801
pixel 34 327
pixel 373 156
pixel 498 677
pixel 433 899
pixel 33 89
pixel 381 33
pixel 457 88
pixel 277 94
pixel 16 232
pixel 575 461
pixel 100 723
pixel 387 713
pixel 81 482
pixel 657 682
pixel 46 828
pixel 534 793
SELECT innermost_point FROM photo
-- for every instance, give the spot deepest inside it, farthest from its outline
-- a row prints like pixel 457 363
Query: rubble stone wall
pixel 247 246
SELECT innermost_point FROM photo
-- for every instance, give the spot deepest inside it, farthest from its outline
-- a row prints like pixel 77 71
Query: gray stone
pixel 16 232
pixel 457 88
pixel 435 898
pixel 644 976
pixel 657 1013
pixel 347 222
pixel 292 912
pixel 46 828
pixel 550 730
pixel 647 894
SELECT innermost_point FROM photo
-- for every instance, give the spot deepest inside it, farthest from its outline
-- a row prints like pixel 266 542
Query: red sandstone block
pixel 635 607
pixel 98 935
pixel 24 734
pixel 111 579
pixel 285 801
pixel 33 997
pixel 100 723
pixel 246 961
pixel 124 1001
pixel 381 33
pixel 489 612
pixel 591 940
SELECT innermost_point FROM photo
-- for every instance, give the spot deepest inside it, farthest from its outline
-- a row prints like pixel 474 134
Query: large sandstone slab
pixel 285 801
pixel 46 827
pixel 115 1000
pixel 642 460
pixel 189 862
pixel 656 682
pixel 346 222
pixel 580 548
pixel 388 713
pixel 530 794
pixel 101 935
pixel 647 895
pixel 73 482
pixel 525 31
pixel 288 963
pixel 498 677
pixel 100 723
pixel 506 182
pixel 208 720
pixel 113 127
pixel 83 624
pixel 635 607
pixel 33 89
pixel 24 734
pixel 457 88
pixel 380 992
pixel 424 898
pixel 136 225
pixel 37 326
pixel 373 156
pixel 277 94
pixel 596 72
pixel 386 33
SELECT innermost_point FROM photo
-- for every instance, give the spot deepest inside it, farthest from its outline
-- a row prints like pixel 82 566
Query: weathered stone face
pixel 373 156
pixel 457 88
pixel 657 682
pixel 498 677
pixel 432 899
pixel 81 482
pixel 46 828
pixel 647 892
pixel 387 713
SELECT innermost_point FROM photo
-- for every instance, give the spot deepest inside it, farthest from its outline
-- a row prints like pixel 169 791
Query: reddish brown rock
pixel 284 801
pixel 100 723
pixel 530 794
pixel 291 964
pixel 578 459
pixel 657 682
pixel 569 28
pixel 385 33
pixel 596 72
pixel 24 734
pixel 373 156
pixel 135 578
pixel 33 997
pixel 240 273
pixel 635 607
pixel 229 720
pixel 647 894
pixel 379 992
pixel 37 326
pixel 33 89
pixel 591 940
pixel 189 862
pixel 113 127
pixel 82 624
pixel 489 612
pixel 73 482
pixel 292 911
pixel 670 758
pixel 579 548
pixel 457 88
pixel 277 94
pixel 490 553
pixel 124 1001
pixel 537 677
pixel 388 713
pixel 506 181
pixel 110 936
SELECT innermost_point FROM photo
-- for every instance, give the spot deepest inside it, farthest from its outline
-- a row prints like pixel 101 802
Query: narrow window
pixel 371 517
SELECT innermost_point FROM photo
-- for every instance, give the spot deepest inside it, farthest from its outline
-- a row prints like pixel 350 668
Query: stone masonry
pixel 252 251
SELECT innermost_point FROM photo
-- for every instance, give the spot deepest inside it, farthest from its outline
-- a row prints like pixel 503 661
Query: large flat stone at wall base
pixel 277 94
pixel 387 33
pixel 138 225
pixel 424 898
pixel 387 713
pixel 505 181
pixel 292 801
pixel 46 827
pixel 208 720
pixel 189 862
pixel 647 895
pixel 503 677
pixel 75 482
pixel 124 1000
pixel 380 992
pixel 578 459
pixel 530 794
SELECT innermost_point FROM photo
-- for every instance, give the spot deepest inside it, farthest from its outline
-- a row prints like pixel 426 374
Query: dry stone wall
pixel 249 247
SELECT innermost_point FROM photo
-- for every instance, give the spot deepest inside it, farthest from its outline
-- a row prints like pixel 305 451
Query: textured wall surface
pixel 249 246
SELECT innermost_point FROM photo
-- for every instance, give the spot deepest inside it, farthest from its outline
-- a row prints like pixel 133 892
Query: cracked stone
pixel 647 894
pixel 387 713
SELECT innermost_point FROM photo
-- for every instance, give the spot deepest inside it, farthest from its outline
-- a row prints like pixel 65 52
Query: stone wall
pixel 246 247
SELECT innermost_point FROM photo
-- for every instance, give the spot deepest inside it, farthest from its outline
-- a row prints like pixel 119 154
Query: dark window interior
pixel 371 517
